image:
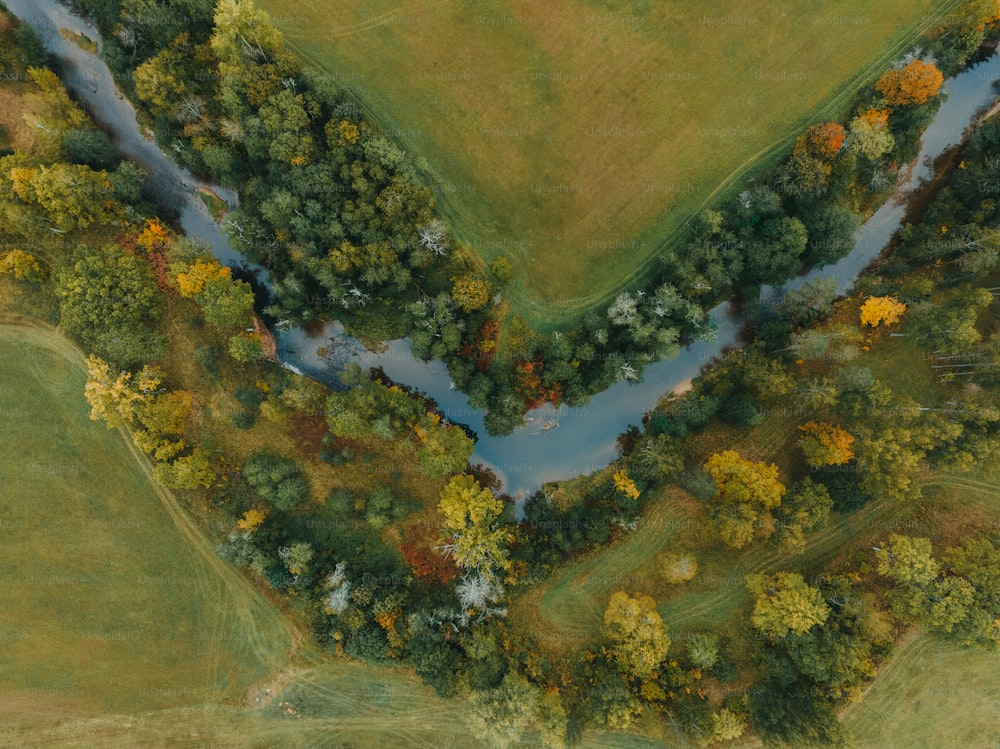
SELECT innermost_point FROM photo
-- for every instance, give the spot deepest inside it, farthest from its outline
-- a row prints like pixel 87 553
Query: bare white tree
pixel 623 310
pixel 434 237
pixel 340 589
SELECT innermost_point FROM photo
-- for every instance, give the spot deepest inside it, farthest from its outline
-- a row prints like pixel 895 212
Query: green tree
pixel 703 649
pixel 445 451
pixel 245 347
pixel 806 509
pixel 287 123
pixel 226 302
pixel 192 471
pixel 639 637
pixel 949 327
pixel 659 457
pixel 161 82
pixel 278 480
pixel 106 296
pixel 785 604
pixel 499 716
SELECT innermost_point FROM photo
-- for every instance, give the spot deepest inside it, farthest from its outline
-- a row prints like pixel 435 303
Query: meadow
pixel 122 627
pixel 579 138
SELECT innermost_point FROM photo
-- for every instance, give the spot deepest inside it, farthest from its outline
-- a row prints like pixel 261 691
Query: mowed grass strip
pixel 578 137
pixel 112 600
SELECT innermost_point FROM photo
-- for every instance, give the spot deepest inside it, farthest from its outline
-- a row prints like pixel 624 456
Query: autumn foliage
pixel 625 485
pixel 878 310
pixel 826 444
pixel 192 282
pixel 913 84
pixel 877 118
pixel 426 563
pixel 251 520
pixel 826 139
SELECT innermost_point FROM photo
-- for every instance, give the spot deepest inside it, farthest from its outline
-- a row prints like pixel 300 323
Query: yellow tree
pixel 154 235
pixel 191 280
pixel 639 637
pixel 825 444
pixel 746 494
pixel 472 534
pixel 115 399
pixel 881 310
pixel 625 485
pixel 785 604
pixel 22 265
pixel 250 521
pixel 470 293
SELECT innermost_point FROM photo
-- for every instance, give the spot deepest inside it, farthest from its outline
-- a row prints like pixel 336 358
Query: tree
pixel 296 557
pixel 624 485
pixel 678 567
pixel 804 510
pixel 192 471
pixel 826 139
pixel 161 83
pixel 869 134
pixel 878 310
pixel 22 265
pixel 727 725
pixel 251 520
pixel 785 604
pixel 445 450
pixel 90 146
pixel 914 83
pixel 472 534
pixel 499 716
pixel 950 327
pixel 115 399
pixel 639 637
pixel 192 278
pixel 106 296
pixel 825 444
pixel 977 560
pixel 703 649
pixel 226 302
pixel 245 347
pixel 470 293
pixel 73 196
pixel 746 493
pixel 890 455
pixel 287 123
pixel 658 457
pixel 907 560
pixel 278 480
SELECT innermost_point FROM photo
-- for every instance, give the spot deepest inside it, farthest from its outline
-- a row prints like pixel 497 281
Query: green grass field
pixel 579 137
pixel 112 599
pixel 931 696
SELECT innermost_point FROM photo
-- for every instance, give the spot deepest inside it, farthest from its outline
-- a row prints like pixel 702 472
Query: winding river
pixel 555 443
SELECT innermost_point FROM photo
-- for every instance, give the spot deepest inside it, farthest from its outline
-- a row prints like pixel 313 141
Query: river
pixel 555 443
